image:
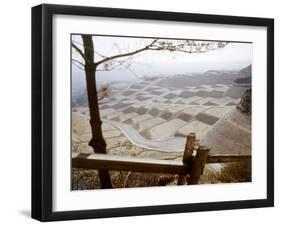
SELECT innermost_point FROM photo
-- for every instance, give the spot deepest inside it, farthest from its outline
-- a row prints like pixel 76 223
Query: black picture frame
pixel 42 111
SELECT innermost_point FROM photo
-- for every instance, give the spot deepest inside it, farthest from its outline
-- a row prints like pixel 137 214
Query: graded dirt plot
pixel 170 96
pixel 107 127
pixel 231 104
pixel 114 141
pixel 218 111
pixel 203 87
pixel 207 119
pixel 137 87
pixel 80 124
pixel 235 91
pixel 166 129
pixel 129 110
pixel 194 103
pixel 104 106
pixel 220 89
pixel 82 148
pixel 190 87
pixel 179 101
pixel 167 115
pixel 218 85
pixel 111 115
pixel 137 119
pixel 85 137
pixel 141 110
pixel 194 110
pixel 191 99
pixel 187 94
pixel 203 101
pixel 225 100
pixel 204 93
pixel 230 135
pixel 142 98
pixel 209 103
pixel 107 111
pixel 128 93
pixel 154 111
pixel 159 100
pixel 112 133
pixel 194 126
pixel 150 123
pixel 120 105
pixel 157 93
pixel 184 116
pixel 123 117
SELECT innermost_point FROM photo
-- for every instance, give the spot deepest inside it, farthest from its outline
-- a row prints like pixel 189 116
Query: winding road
pixel 173 144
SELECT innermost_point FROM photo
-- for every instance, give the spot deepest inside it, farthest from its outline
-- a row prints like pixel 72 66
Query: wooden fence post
pixel 187 155
pixel 198 165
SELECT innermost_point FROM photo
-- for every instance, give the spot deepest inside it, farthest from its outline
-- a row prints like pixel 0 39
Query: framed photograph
pixel 145 112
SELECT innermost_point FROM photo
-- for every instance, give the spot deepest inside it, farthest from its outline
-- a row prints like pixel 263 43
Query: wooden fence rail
pixel 122 163
pixel 192 164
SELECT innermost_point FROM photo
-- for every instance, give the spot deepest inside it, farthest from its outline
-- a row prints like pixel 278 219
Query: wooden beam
pixel 227 158
pixel 122 163
pixel 189 146
pixel 198 165
pixel 187 155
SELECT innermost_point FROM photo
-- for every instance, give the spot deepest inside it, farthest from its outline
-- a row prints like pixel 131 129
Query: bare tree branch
pixel 87 47
pixel 78 66
pixel 77 61
pixel 185 46
pixel 112 64
pixel 126 54
pixel 188 46
pixel 79 51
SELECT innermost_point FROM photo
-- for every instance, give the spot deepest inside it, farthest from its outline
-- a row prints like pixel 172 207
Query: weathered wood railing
pixel 192 164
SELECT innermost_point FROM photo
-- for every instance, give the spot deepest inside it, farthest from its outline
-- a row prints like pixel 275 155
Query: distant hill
pixel 239 79
pixel 79 99
pixel 247 70
pixel 246 75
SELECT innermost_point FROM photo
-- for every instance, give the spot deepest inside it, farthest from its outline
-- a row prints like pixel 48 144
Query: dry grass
pixel 236 172
pixel 83 179
pixel 230 173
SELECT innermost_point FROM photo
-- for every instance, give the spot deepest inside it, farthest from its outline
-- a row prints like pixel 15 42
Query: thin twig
pixel 126 179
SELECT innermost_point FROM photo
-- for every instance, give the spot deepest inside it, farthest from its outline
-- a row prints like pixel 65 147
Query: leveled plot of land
pixel 150 123
pixel 230 135
pixel 123 117
pixel 166 129
pixel 193 110
pixel 207 119
pixel 193 127
pixel 190 100
pixel 111 115
pixel 217 112
pixel 136 120
pixel 112 133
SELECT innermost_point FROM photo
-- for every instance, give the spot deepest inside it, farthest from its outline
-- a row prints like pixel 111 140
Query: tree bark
pixel 97 142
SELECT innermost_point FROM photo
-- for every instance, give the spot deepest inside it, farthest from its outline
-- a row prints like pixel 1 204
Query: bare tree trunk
pixel 97 141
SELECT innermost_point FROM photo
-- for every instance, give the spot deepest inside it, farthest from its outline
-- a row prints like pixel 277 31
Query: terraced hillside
pixel 158 114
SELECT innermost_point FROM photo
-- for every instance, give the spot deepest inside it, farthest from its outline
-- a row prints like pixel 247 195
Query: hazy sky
pixel 234 56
